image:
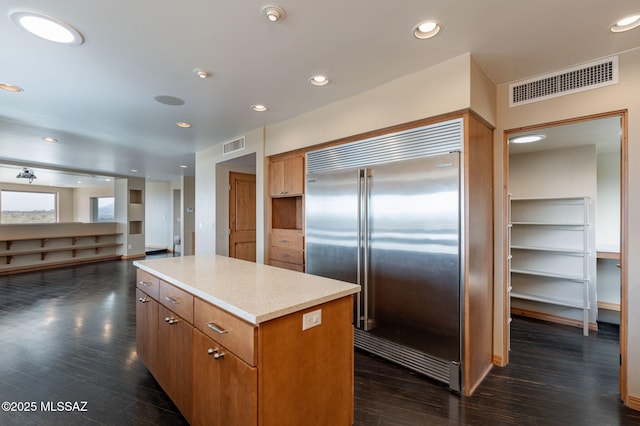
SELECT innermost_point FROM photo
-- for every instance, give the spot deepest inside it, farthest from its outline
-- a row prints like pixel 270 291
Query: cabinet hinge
pixel 229 187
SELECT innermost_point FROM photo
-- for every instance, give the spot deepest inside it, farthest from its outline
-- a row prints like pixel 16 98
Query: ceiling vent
pixel 233 146
pixel 584 77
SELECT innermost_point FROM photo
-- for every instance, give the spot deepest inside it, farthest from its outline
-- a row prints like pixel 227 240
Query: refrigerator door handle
pixel 358 316
pixel 365 252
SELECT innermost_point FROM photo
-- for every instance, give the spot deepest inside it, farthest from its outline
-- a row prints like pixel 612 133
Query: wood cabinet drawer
pixel 287 238
pixel 235 334
pixel 148 283
pixel 284 254
pixel 179 301
pixel 291 266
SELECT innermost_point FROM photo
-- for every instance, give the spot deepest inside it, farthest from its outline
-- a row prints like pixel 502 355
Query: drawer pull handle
pixel 283 255
pixel 171 321
pixel 283 241
pixel 171 299
pixel 216 328
pixel 215 352
pixel 144 300
pixel 146 283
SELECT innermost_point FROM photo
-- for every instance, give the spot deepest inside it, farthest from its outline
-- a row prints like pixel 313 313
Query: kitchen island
pixel 235 342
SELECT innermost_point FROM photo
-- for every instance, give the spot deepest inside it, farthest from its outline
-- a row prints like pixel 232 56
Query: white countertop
pixel 251 291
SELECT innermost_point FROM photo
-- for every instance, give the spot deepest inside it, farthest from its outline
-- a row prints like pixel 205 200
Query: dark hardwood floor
pixel 68 336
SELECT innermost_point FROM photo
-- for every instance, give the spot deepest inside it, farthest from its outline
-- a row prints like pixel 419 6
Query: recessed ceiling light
pixel 319 80
pixel 10 87
pixel 183 166
pixel 183 124
pixel 259 108
pixel 46 27
pixel 427 29
pixel 202 73
pixel 527 139
pixel 135 170
pixel 108 180
pixel 273 13
pixel 49 139
pixel 625 24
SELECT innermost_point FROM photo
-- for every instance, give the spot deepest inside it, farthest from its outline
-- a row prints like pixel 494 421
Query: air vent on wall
pixel 233 146
pixel 584 77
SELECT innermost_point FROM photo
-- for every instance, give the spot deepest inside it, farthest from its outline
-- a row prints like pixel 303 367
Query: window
pixel 102 209
pixel 28 207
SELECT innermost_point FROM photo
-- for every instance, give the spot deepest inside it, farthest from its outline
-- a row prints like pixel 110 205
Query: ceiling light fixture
pixel 135 170
pixel 259 108
pixel 625 24
pixel 319 80
pixel 183 124
pixel 526 139
pixel 183 166
pixel 49 139
pixel 202 73
pixel 10 87
pixel 46 27
pixel 273 13
pixel 427 29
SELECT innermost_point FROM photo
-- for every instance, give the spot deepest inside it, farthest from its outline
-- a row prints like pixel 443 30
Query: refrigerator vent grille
pixel 434 139
pixel 407 357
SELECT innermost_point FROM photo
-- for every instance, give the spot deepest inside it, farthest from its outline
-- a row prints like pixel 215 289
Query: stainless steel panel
pixel 433 139
pixel 413 293
pixel 331 237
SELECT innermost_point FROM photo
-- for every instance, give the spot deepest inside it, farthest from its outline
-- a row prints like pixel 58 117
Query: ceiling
pixel 604 133
pixel 97 98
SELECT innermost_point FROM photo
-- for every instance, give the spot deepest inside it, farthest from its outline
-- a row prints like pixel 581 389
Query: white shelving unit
pixel 550 251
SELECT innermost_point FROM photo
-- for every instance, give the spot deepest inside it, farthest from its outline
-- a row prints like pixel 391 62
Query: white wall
pixel 608 225
pixel 570 172
pixel 622 96
pixel 158 214
pixel 210 194
pixel 82 201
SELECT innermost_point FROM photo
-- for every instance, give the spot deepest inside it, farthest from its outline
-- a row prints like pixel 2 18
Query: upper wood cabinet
pixel 286 176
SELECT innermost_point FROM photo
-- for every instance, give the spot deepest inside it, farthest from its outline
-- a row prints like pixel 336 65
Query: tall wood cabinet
pixel 286 239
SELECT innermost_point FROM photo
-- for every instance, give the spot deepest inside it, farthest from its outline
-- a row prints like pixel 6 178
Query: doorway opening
pixel 236 212
pixel 565 196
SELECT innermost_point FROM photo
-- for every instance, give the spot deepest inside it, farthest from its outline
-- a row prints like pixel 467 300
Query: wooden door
pixel 242 216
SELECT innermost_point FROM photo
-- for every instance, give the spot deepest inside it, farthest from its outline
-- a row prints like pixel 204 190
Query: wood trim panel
pixel 478 256
pixel 609 306
pixel 633 402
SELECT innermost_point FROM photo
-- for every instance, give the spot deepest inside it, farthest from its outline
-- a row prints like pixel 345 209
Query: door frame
pixel 624 216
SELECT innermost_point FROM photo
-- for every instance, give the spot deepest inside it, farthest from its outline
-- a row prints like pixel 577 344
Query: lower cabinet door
pixel 175 339
pixel 224 387
pixel 147 330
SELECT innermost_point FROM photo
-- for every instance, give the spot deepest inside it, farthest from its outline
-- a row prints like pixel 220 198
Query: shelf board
pixel 553 224
pixel 553 249
pixel 549 275
pixel 570 303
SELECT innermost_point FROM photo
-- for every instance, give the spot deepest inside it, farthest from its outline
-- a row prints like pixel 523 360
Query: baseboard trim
pixel 593 326
pixel 633 402
pixel 609 306
pixel 498 361
pixel 135 256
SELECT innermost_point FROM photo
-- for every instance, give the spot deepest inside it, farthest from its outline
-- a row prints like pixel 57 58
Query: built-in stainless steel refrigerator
pixel 386 216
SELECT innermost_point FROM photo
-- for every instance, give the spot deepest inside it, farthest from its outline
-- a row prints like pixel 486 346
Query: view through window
pixel 28 207
pixel 102 209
